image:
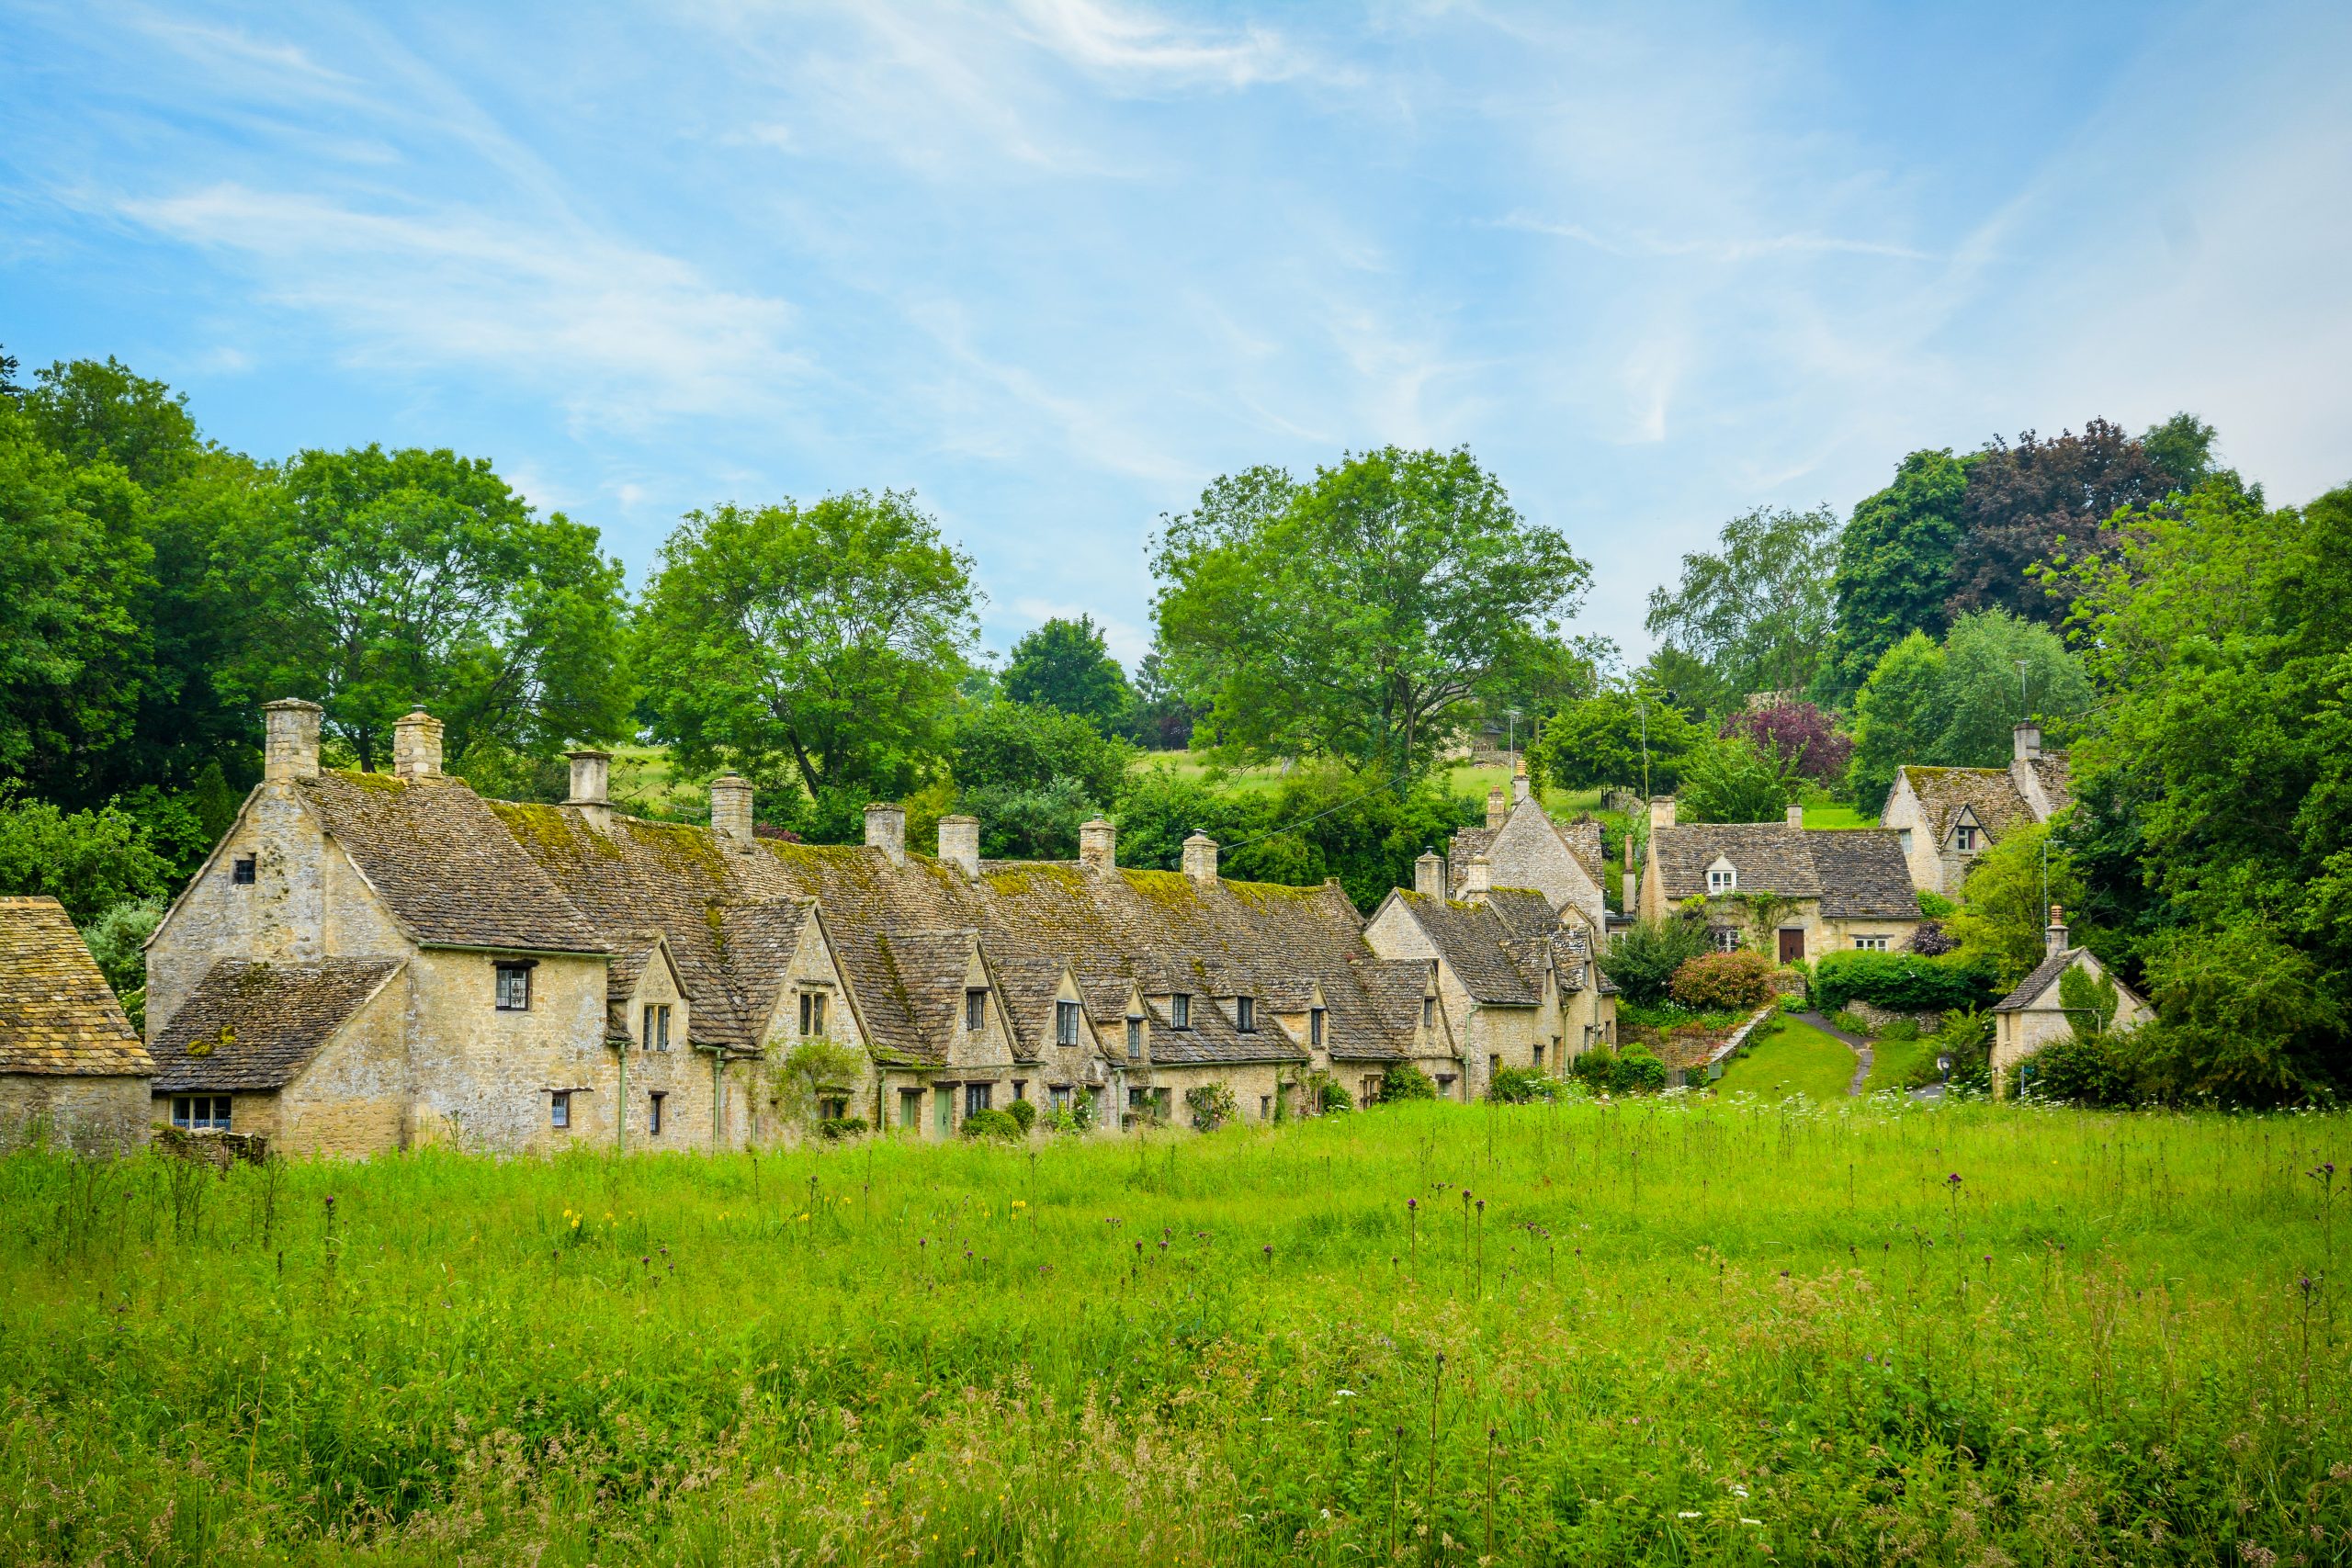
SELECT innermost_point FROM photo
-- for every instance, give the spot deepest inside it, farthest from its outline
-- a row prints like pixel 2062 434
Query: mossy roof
pixel 1853 872
pixel 58 1016
pixel 1989 795
pixel 251 1024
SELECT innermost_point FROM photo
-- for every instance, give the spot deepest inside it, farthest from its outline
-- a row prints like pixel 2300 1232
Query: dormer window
pixel 1315 1029
pixel 241 870
pixel 1065 1023
pixel 1722 878
pixel 1245 1014
pixel 1429 1012
pixel 1180 1011
pixel 1963 838
pixel 1134 1038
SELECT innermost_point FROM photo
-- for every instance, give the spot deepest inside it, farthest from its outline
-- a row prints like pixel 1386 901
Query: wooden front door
pixel 1792 946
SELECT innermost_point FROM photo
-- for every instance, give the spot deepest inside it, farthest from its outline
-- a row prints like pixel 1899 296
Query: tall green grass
pixel 1661 1331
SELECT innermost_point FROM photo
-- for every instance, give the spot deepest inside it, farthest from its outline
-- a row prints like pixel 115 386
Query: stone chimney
pixel 1796 818
pixel 1496 810
pixel 1429 876
pixel 2026 741
pixel 1630 902
pixel 885 830
pixel 1478 880
pixel 1200 858
pixel 1097 845
pixel 591 780
pixel 1520 788
pixel 1662 812
pixel 730 809
pixel 290 747
pixel 416 746
pixel 2053 939
pixel 959 844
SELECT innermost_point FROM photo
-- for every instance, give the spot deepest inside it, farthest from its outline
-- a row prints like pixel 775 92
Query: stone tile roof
pixel 2055 773
pixel 1990 793
pixel 1524 911
pixel 1855 873
pixel 1395 987
pixel 437 852
pixel 2045 974
pixel 58 1016
pixel 251 1024
pixel 1471 938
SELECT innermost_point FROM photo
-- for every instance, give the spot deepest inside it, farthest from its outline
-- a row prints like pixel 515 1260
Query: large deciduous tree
pixel 1065 665
pixel 377 582
pixel 817 648
pixel 1894 573
pixel 1759 612
pixel 2042 504
pixel 1957 705
pixel 1359 614
pixel 1625 740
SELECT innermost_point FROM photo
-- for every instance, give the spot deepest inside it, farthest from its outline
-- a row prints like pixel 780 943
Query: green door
pixel 942 1103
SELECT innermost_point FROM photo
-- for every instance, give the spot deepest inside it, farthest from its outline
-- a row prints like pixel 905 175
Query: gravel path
pixel 1862 1049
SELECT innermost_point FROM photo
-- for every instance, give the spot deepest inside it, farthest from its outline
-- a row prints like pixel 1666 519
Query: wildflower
pixel 1751 1521
pixel 1020 1203
pixel 1345 1394
pixel 1687 1514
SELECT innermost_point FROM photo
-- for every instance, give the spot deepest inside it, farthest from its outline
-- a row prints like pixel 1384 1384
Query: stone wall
pixel 353 1098
pixel 1878 1018
pixel 483 1077
pixel 94 1115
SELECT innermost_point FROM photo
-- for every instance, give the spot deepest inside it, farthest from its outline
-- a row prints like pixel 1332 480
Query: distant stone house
pixel 2034 1013
pixel 72 1070
pixel 1947 817
pixel 370 961
pixel 1522 846
pixel 1845 889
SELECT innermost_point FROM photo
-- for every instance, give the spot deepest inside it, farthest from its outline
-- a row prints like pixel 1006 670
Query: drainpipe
pixel 620 1117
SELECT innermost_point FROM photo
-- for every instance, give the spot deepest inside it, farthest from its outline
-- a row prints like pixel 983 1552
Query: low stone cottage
pixel 1844 888
pixel 73 1071
pixel 1945 818
pixel 2034 1013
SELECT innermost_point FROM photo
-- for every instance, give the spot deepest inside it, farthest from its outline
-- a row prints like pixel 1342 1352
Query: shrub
pixel 1642 961
pixel 841 1126
pixel 1210 1106
pixel 1638 1071
pixel 2076 1070
pixel 1900 982
pixel 992 1124
pixel 1331 1097
pixel 1901 1029
pixel 117 939
pixel 1405 1081
pixel 1724 980
pixel 1852 1023
pixel 2241 1014
pixel 1935 906
pixel 1597 1067
pixel 1931 941
pixel 1024 1112
pixel 1519 1086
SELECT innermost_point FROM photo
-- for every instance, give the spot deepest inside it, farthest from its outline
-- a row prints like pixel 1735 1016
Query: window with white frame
pixel 201 1113
pixel 559 1109
pixel 1870 943
pixel 1725 937
pixel 1963 838
pixel 1065 1023
pixel 1723 878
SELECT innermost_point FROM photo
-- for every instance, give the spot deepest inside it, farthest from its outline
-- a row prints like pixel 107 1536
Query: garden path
pixel 1862 1049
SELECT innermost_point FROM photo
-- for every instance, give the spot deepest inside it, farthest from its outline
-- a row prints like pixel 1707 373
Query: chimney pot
pixel 2026 739
pixel 2055 938
pixel 1200 858
pixel 885 830
pixel 1796 817
pixel 1496 810
pixel 730 809
pixel 959 844
pixel 416 746
pixel 1097 845
pixel 1662 811
pixel 1520 788
pixel 1429 876
pixel 290 739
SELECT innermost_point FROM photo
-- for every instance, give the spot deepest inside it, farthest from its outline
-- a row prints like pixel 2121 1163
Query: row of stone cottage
pixel 375 961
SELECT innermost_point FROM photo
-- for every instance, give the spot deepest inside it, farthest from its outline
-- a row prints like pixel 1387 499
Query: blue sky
pixel 1055 263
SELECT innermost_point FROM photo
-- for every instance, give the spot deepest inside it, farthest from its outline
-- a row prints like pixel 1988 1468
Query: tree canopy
pixel 1356 615
pixel 1064 664
pixel 1894 564
pixel 1759 612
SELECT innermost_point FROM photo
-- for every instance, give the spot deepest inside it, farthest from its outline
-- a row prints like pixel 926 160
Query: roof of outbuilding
pixel 1855 872
pixel 58 1016
pixel 251 1024
pixel 437 854
pixel 2045 974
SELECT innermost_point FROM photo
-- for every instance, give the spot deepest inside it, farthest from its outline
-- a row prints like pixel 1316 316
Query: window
pixel 1134 1039
pixel 1265 1108
pixel 1538 1058
pixel 241 870
pixel 976 1011
pixel 1314 1027
pixel 832 1108
pixel 1180 1011
pixel 1494 1065
pixel 201 1111
pixel 1020 1089
pixel 1445 1085
pixel 1061 1097
pixel 1724 938
pixel 977 1096
pixel 1905 835
pixel 812 1013
pixel 657 1027
pixel 1870 943
pixel 1429 1012
pixel 1722 879
pixel 513 987
pixel 653 1122
pixel 1964 839
pixel 1065 1023
pixel 559 1109
pixel 1139 1099
pixel 1368 1089
pixel 1245 1014
pixel 910 1109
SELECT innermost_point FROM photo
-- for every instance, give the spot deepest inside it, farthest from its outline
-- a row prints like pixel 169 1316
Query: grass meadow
pixel 1676 1330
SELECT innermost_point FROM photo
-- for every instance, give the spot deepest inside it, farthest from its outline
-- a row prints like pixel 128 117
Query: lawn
pixel 1678 1330
pixel 1796 1059
pixel 1892 1062
pixel 1838 817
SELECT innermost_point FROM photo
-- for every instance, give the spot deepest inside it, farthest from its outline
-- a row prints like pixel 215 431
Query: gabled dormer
pixel 1721 876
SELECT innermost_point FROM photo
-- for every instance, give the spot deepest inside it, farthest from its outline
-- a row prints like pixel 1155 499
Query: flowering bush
pixel 1800 735
pixel 1724 980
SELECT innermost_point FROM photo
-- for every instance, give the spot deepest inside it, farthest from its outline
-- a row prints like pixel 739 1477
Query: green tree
pixel 87 860
pixel 1999 669
pixel 813 646
pixel 1064 664
pixel 1643 959
pixel 1032 774
pixel 2032 508
pixel 2182 447
pixel 1624 740
pixel 381 581
pixel 2002 922
pixel 810 1071
pixel 1894 568
pixel 1357 615
pixel 1757 613
pixel 1734 780
pixel 90 412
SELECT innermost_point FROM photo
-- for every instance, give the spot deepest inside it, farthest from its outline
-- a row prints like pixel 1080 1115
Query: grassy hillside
pixel 1679 1331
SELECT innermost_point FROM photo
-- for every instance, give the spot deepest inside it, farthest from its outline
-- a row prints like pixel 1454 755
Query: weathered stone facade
pixel 1842 888
pixel 1945 818
pixel 2033 1015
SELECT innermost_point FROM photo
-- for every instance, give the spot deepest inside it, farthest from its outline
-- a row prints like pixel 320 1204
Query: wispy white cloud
pixel 1129 45
pixel 1729 250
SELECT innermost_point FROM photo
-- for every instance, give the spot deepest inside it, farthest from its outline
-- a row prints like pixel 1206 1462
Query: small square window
pixel 1065 1023
pixel 1721 881
pixel 654 1122
pixel 1180 1011
pixel 559 1109
pixel 1245 1014
pixel 241 870
pixel 513 987
pixel 1965 838
pixel 832 1108
pixel 976 1011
